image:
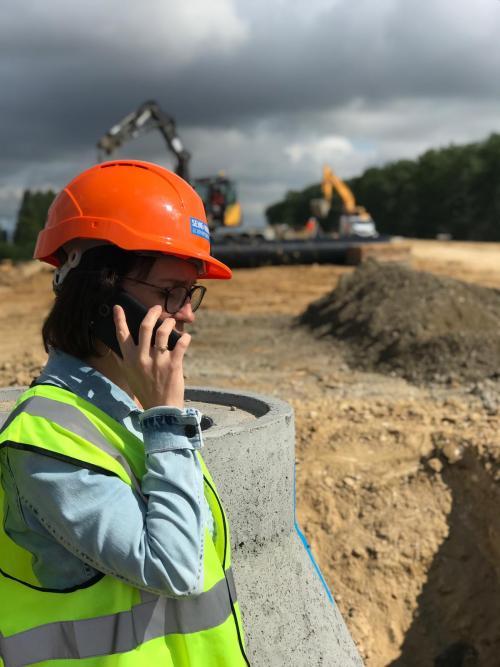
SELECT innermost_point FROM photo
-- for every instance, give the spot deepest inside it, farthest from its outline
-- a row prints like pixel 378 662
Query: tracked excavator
pixel 219 193
pixel 355 221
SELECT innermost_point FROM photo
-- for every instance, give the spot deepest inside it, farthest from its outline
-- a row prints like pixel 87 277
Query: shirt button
pixel 190 431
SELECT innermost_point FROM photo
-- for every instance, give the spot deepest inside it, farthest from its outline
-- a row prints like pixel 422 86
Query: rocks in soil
pixel 413 324
pixel 435 464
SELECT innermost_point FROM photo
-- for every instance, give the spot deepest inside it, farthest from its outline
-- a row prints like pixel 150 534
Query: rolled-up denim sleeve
pixel 154 543
pixel 166 428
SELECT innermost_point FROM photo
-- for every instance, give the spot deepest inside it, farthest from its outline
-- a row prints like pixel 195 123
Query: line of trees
pixel 30 220
pixel 454 190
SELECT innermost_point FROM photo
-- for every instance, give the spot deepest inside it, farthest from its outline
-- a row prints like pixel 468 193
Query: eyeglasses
pixel 176 297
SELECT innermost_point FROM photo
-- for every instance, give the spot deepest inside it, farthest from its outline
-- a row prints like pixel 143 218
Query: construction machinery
pixel 221 201
pixel 243 245
pixel 219 193
pixel 355 221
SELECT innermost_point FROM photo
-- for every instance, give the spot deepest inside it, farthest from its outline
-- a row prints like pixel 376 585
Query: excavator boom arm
pixel 147 117
pixel 331 181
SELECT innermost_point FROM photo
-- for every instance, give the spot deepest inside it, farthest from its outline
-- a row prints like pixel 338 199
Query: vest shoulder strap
pixel 56 422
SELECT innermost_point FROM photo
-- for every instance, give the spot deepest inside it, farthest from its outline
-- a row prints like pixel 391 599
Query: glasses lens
pixel 176 299
pixel 197 294
pixel 178 296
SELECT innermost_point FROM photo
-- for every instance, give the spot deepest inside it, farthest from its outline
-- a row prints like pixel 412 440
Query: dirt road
pixel 398 485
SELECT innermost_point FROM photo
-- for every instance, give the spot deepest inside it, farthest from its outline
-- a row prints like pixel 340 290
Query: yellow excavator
pixel 355 221
pixel 218 192
pixel 220 197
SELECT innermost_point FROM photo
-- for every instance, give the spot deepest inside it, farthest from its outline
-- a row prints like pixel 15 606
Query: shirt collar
pixel 73 374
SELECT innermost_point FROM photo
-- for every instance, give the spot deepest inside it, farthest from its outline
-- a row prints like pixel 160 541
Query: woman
pixel 115 547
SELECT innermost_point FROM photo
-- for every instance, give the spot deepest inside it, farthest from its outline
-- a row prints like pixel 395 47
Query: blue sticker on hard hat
pixel 200 228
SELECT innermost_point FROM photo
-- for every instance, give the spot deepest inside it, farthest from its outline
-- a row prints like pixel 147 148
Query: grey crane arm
pixel 147 117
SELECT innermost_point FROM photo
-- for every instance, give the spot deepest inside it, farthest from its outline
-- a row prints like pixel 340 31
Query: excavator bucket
pixel 320 207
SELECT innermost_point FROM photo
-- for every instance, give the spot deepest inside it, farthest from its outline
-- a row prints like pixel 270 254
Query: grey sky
pixel 267 91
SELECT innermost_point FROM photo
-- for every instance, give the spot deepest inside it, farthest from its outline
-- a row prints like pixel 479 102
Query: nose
pixel 185 314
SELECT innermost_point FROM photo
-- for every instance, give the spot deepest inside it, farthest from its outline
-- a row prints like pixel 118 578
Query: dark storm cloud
pixel 373 50
pixel 68 74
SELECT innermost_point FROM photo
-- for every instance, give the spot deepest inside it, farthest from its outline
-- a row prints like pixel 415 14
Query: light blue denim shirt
pixel 78 523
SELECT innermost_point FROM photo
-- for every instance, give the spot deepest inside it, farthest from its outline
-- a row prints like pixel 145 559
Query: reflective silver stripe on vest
pixel 231 585
pixel 118 633
pixel 74 420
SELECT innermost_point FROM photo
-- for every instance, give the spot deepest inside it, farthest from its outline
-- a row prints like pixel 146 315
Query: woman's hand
pixel 156 377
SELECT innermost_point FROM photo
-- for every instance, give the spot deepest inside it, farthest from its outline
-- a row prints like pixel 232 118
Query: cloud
pixel 165 33
pixel 319 149
pixel 10 196
pixel 267 91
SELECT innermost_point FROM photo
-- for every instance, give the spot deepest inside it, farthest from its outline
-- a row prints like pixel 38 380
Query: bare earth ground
pixel 398 486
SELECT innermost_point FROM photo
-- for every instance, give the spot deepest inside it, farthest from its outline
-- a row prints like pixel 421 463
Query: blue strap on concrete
pixel 304 541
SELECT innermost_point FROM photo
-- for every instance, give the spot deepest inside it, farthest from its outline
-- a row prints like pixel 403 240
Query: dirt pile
pixel 414 324
pixel 12 273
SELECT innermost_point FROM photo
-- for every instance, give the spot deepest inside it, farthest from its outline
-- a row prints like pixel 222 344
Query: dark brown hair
pixel 92 282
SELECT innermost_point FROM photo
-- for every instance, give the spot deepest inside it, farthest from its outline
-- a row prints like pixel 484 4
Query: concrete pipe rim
pixel 264 408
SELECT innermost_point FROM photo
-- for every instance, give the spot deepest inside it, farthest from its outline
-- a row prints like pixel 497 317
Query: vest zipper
pixel 233 610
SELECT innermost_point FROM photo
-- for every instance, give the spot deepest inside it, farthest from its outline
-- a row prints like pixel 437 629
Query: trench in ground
pixel 456 620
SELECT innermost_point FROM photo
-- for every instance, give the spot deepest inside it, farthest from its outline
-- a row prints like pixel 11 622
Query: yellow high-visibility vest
pixel 106 622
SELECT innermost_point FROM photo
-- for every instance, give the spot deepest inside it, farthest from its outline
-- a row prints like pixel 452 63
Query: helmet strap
pixel 73 259
pixel 74 252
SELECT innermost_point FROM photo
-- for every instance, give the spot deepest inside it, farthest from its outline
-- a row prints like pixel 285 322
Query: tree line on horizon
pixel 30 220
pixel 453 190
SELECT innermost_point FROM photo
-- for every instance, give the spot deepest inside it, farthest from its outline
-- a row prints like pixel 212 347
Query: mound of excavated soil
pixel 415 324
pixel 12 273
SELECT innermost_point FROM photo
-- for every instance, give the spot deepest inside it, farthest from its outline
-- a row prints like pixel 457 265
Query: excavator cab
pixel 220 198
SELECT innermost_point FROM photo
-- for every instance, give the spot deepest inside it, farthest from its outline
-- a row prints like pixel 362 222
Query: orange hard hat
pixel 138 206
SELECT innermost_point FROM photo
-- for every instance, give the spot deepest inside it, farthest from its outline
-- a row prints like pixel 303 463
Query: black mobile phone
pixel 103 325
